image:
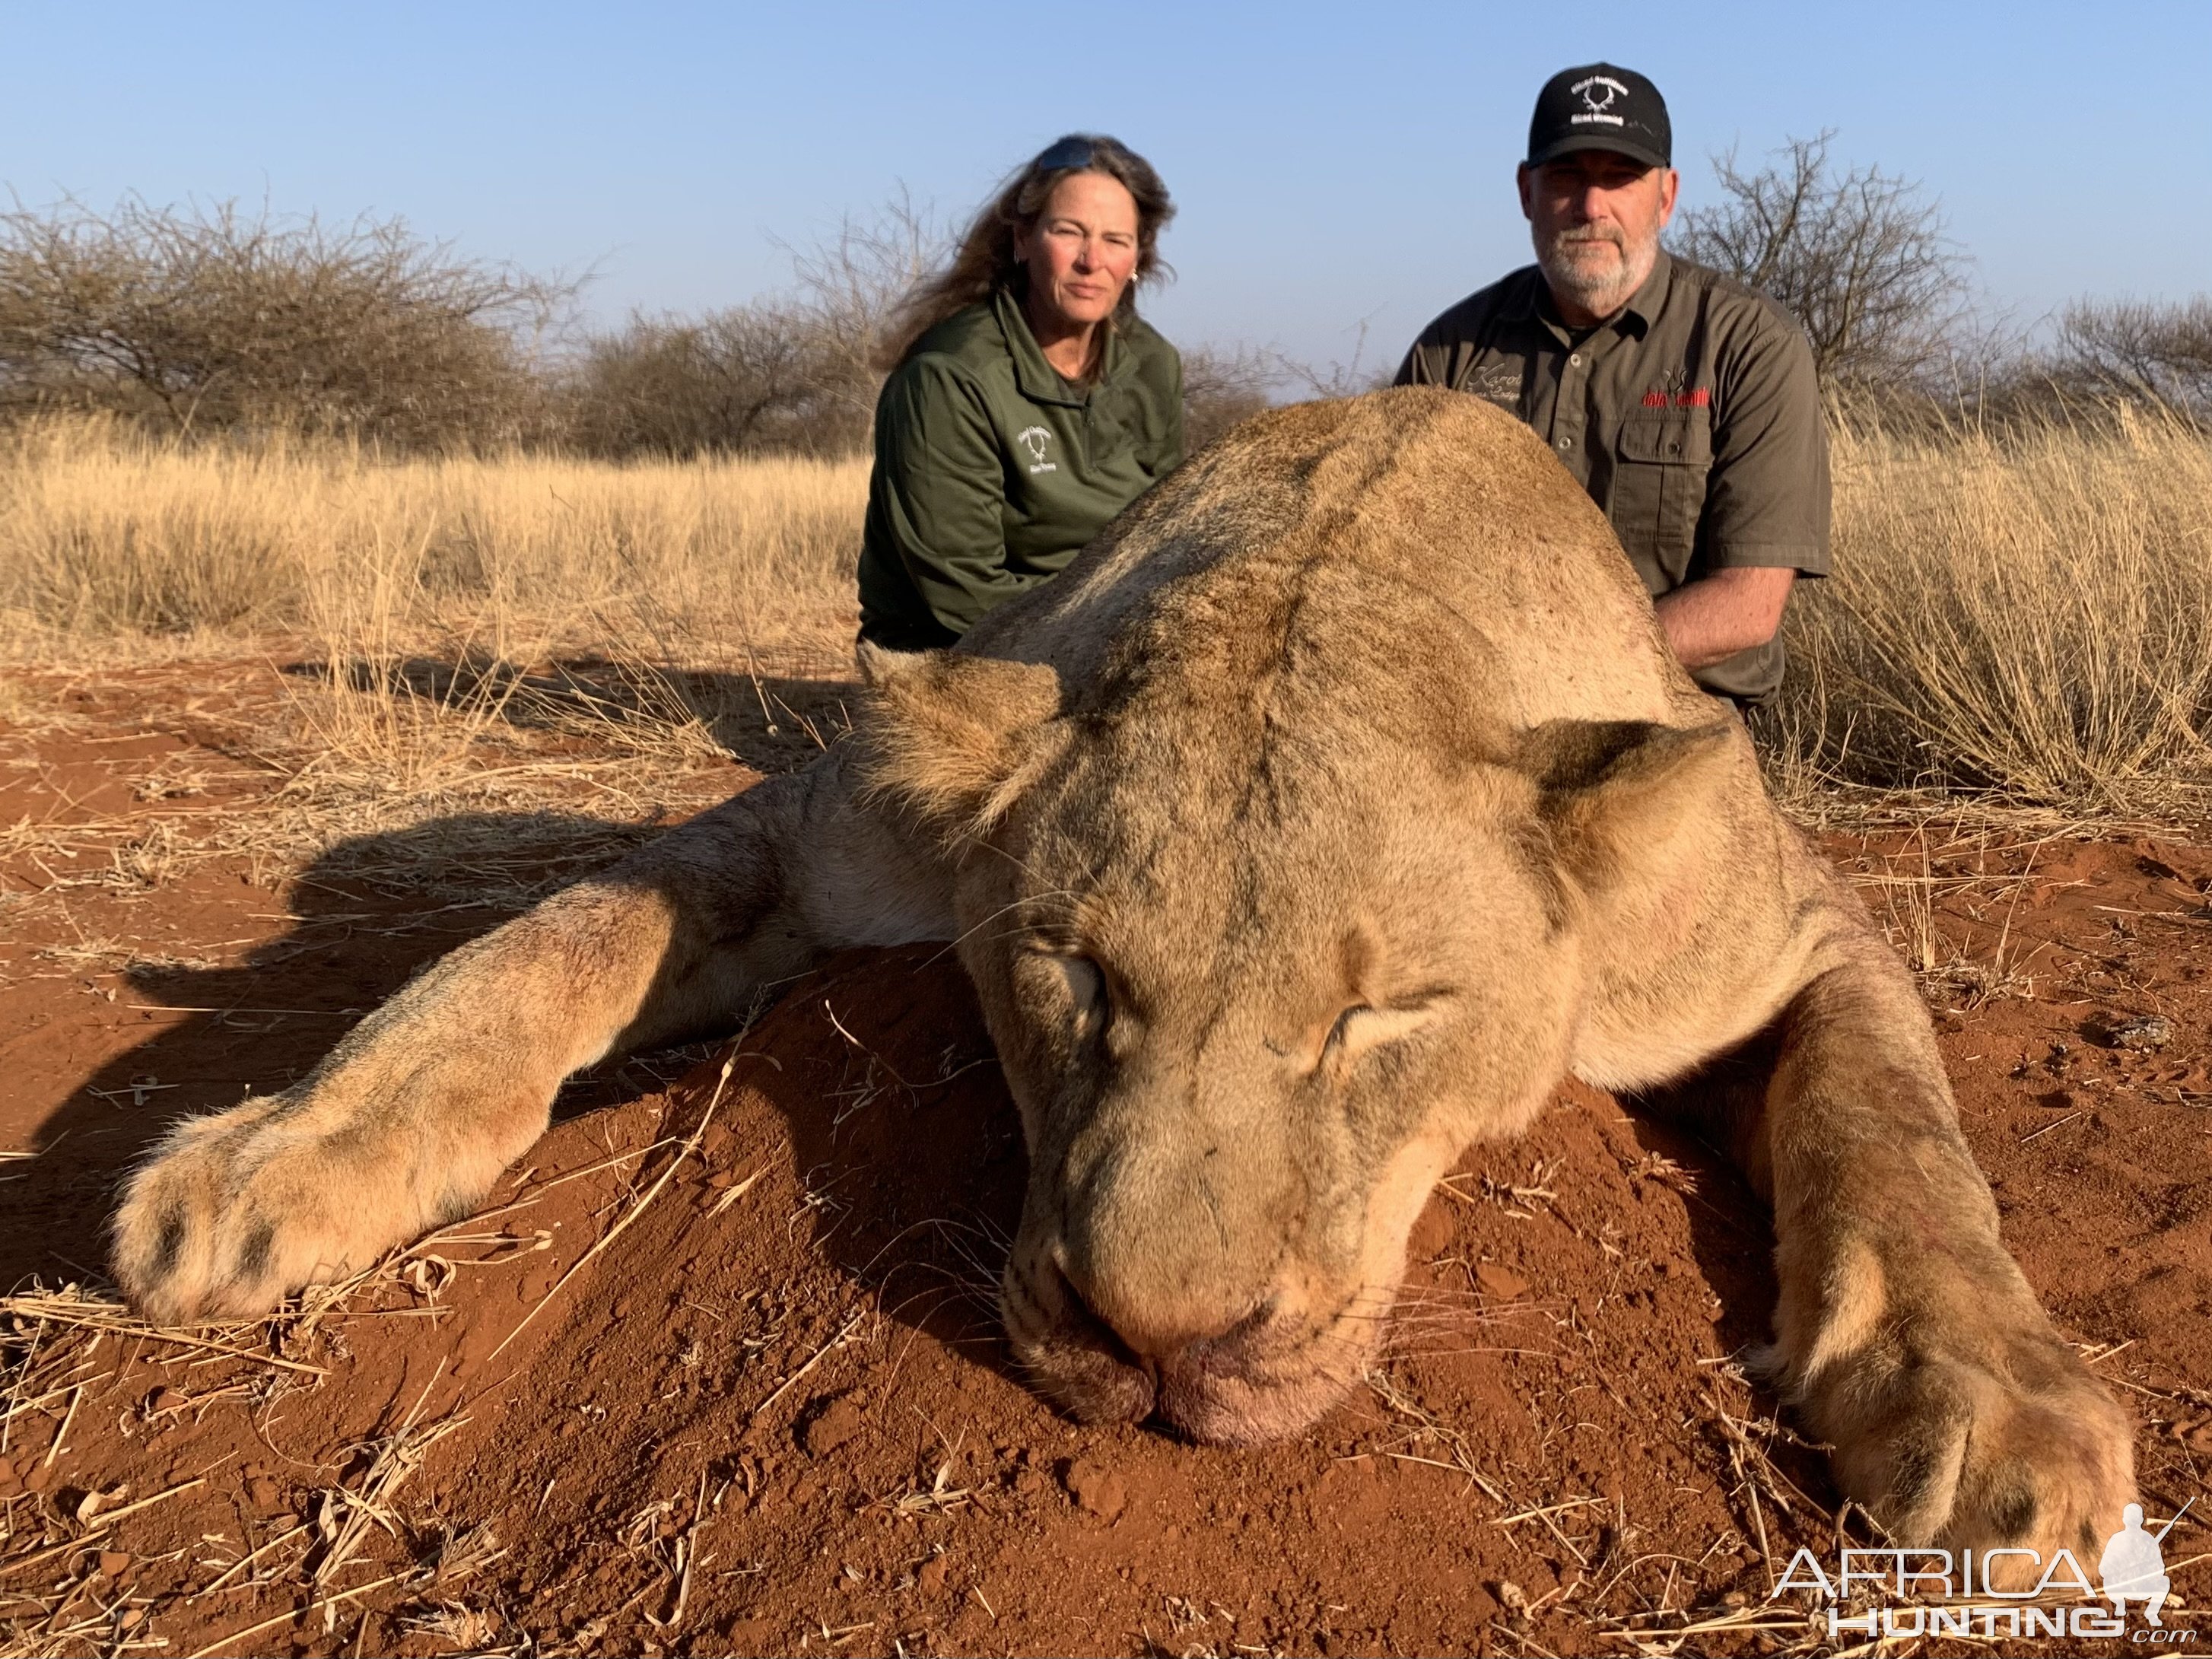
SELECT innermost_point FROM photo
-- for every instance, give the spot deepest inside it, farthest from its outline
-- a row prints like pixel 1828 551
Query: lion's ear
pixel 954 736
pixel 1613 791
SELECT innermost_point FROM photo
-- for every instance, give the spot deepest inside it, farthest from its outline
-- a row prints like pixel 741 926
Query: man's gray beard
pixel 1599 297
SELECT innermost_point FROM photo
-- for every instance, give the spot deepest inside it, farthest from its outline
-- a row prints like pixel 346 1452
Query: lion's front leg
pixel 408 1122
pixel 1906 1334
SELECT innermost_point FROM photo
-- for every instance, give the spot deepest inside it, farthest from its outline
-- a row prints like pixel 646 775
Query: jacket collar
pixel 1039 381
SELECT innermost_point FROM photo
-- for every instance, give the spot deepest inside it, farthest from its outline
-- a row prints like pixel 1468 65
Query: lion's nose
pixel 1161 1322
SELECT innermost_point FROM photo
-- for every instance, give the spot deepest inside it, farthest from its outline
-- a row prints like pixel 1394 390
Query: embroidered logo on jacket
pixel 1034 439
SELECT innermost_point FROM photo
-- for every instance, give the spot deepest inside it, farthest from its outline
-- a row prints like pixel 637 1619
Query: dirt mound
pixel 717 1371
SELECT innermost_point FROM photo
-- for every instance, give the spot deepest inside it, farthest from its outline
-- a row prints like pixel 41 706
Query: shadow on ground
pixel 770 722
pixel 374 910
pixel 369 914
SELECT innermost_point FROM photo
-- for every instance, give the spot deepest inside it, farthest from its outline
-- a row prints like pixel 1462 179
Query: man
pixel 1686 402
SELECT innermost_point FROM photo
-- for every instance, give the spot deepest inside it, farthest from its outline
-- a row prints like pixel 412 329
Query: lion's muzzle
pixel 1262 1375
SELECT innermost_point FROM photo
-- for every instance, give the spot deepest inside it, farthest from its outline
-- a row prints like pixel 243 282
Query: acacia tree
pixel 1859 256
pixel 794 372
pixel 733 379
pixel 2139 350
pixel 199 319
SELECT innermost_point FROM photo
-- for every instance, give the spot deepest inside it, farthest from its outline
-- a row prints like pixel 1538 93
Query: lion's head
pixel 1254 982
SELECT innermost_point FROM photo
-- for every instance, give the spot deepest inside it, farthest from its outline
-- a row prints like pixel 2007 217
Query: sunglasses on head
pixel 1068 153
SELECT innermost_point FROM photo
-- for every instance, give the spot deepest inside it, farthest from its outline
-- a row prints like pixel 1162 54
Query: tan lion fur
pixel 1327 810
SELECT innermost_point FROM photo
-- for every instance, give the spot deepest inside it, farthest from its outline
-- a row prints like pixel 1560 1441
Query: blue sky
pixel 1334 163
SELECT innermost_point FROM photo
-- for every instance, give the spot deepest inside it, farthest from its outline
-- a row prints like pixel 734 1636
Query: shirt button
pixel 1577 360
pixel 1566 443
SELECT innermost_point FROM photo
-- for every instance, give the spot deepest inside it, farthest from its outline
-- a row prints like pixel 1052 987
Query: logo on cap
pixel 1597 94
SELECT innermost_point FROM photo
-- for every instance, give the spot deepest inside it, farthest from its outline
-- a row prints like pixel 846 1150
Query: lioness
pixel 1331 806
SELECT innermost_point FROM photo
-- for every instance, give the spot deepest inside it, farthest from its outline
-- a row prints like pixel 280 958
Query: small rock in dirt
pixel 113 1564
pixel 1495 1280
pixel 262 1493
pixel 40 1477
pixel 930 1580
pixel 1510 1596
pixel 834 1422
pixel 2142 1034
pixel 1098 1490
pixel 167 1400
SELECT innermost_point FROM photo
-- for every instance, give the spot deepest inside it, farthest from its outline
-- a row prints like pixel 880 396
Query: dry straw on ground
pixel 2024 617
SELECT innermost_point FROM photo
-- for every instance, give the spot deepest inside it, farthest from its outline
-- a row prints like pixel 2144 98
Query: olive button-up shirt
pixel 1693 416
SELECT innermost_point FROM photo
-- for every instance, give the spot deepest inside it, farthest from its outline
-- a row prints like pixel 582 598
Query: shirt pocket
pixel 1662 461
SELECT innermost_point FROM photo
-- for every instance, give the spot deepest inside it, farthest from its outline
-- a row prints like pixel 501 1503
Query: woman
pixel 1028 404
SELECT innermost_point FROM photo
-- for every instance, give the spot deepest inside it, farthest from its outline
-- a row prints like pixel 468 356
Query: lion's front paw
pixel 235 1209
pixel 1960 1440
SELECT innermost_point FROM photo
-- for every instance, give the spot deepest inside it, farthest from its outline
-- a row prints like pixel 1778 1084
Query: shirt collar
pixel 1038 381
pixel 1644 304
pixel 1634 318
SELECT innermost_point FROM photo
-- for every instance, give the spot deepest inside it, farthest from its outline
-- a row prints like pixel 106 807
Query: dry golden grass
pixel 2027 617
pixel 105 534
pixel 2024 618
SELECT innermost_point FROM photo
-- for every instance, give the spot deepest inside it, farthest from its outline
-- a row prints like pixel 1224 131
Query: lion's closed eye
pixel 1362 1028
pixel 1086 992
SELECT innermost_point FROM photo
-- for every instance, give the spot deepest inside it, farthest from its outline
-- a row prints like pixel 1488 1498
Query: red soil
pixel 772 1413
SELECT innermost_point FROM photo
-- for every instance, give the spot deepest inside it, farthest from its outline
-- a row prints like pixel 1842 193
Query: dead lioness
pixel 1332 806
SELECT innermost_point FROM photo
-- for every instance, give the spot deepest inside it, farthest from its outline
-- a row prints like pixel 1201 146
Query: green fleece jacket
pixel 992 471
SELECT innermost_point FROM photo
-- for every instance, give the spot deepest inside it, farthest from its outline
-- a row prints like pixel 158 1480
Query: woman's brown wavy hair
pixel 984 261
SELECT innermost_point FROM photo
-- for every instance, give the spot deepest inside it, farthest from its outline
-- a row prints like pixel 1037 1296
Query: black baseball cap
pixel 1600 107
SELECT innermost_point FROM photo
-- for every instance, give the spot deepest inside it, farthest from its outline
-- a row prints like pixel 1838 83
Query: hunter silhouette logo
pixel 1947 1593
pixel 2134 1566
pixel 1034 439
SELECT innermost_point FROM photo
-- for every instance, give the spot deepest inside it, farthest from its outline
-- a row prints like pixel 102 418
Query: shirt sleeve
pixel 1766 497
pixel 944 492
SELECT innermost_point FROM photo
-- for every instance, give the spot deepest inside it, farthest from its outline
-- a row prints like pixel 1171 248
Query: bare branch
pixel 1858 256
pixel 2158 354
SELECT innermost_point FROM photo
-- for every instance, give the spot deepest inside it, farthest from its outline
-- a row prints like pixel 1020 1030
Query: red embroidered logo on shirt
pixel 1696 398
